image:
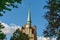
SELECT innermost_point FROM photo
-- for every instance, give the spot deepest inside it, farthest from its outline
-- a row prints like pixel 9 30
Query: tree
pixel 53 18
pixel 2 35
pixel 6 4
pixel 18 35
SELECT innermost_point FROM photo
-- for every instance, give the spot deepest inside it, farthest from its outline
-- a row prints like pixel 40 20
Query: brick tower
pixel 28 29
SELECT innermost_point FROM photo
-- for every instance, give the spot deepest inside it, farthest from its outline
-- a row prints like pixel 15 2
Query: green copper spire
pixel 29 17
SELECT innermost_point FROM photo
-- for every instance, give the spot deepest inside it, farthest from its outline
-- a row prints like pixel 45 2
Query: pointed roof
pixel 29 16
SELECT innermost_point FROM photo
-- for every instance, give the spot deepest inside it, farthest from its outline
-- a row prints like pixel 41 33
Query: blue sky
pixel 18 16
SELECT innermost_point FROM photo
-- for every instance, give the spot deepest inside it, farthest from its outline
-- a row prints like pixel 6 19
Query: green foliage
pixel 18 35
pixel 53 18
pixel 2 35
pixel 6 4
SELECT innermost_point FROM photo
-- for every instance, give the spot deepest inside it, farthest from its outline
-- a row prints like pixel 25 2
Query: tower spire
pixel 29 17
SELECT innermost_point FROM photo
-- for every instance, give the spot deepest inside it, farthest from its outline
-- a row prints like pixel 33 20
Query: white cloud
pixel 41 38
pixel 44 38
pixel 9 29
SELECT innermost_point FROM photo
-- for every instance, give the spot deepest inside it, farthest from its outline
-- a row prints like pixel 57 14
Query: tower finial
pixel 29 17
